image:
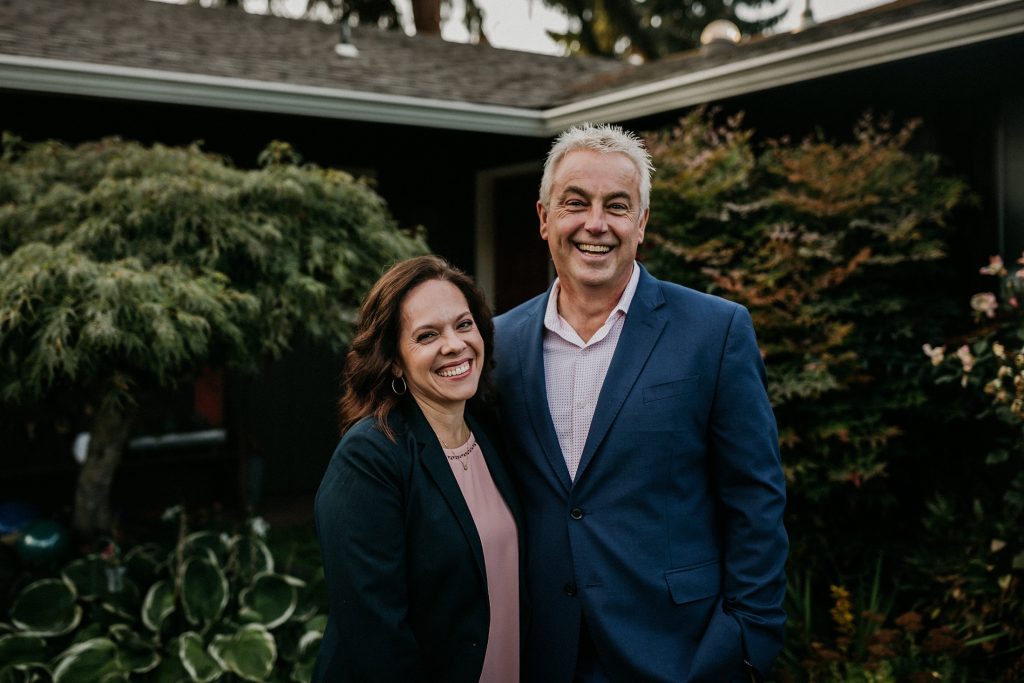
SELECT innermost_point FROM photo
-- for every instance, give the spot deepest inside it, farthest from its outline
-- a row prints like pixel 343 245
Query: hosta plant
pixel 214 607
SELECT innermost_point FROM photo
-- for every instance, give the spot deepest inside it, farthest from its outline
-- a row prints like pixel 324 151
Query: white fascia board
pixel 150 85
pixel 946 30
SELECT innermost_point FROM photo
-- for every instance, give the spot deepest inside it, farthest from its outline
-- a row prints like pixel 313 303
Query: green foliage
pixel 825 244
pixel 213 609
pixel 142 264
pixel 838 251
pixel 973 543
pixel 125 270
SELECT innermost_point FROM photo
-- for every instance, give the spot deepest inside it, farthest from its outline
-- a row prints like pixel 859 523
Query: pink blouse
pixel 500 541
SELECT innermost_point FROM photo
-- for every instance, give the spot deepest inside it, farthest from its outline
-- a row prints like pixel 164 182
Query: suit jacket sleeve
pixel 751 490
pixel 360 524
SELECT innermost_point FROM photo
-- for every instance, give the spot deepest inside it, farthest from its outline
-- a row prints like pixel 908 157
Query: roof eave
pixel 965 25
pixel 902 40
pixel 150 85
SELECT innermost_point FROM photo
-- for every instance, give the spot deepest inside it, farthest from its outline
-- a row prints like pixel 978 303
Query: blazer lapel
pixel 436 464
pixel 530 343
pixel 640 333
pixel 495 465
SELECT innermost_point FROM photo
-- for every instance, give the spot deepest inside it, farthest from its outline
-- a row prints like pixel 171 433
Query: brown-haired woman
pixel 416 514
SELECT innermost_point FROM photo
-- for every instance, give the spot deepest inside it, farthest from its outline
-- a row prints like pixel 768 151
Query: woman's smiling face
pixel 441 352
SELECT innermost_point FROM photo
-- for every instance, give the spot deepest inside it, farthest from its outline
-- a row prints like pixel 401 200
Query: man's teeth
pixel 594 248
pixel 457 370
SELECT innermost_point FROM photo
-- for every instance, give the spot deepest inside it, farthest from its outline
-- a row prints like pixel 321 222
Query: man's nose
pixel 596 220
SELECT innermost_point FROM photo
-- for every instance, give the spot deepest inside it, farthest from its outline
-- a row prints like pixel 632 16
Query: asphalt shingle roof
pixel 230 43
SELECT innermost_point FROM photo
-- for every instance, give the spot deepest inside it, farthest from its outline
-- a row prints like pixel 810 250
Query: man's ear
pixel 542 214
pixel 643 223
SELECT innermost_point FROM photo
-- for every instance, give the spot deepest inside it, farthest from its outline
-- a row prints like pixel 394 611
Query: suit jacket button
pixel 570 589
pixel 474 643
pixel 576 513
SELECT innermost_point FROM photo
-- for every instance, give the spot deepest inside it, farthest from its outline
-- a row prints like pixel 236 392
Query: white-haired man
pixel 641 434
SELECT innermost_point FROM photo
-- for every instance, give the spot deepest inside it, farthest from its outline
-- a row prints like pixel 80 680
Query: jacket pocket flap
pixel 694 583
pixel 669 389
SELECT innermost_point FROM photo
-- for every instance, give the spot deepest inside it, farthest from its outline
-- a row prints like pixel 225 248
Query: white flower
pixel 937 354
pixel 259 526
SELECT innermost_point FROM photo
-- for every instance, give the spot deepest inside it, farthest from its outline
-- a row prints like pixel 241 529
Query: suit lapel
pixel 530 344
pixel 436 464
pixel 642 328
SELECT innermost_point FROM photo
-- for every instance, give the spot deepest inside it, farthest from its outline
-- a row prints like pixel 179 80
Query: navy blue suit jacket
pixel 402 558
pixel 670 541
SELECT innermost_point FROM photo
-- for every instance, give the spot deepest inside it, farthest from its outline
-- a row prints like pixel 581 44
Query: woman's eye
pixel 426 336
pixel 466 324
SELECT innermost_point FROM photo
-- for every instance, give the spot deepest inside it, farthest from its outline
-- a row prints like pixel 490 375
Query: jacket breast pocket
pixel 678 387
pixel 690 584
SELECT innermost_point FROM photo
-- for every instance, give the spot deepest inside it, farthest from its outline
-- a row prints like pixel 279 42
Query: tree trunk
pixel 109 432
pixel 426 14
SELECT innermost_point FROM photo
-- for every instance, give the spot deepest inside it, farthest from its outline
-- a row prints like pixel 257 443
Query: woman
pixel 416 514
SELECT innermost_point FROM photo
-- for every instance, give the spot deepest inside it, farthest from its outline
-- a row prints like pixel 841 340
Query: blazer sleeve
pixel 360 523
pixel 752 494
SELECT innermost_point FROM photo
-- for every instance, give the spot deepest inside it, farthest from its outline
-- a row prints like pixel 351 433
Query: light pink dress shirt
pixel 574 370
pixel 500 541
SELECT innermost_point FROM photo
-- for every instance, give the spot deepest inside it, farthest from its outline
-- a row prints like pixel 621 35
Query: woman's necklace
pixel 462 458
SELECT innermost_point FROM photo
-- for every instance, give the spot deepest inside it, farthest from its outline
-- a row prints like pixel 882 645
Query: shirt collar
pixel 554 322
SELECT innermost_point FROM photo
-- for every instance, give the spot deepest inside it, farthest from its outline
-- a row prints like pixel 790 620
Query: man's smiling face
pixel 594 223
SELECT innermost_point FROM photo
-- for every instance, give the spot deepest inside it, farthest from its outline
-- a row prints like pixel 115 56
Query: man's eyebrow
pixel 574 189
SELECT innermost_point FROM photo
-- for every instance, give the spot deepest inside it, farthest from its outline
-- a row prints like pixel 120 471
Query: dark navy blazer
pixel 670 541
pixel 402 558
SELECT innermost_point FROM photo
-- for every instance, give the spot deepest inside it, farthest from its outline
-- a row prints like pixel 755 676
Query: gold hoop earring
pixel 405 387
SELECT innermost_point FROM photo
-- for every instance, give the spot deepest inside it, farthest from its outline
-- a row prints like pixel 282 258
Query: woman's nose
pixel 452 342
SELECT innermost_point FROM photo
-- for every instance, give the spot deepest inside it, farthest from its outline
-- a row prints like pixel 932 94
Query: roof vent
pixel 345 48
pixel 719 36
pixel 806 17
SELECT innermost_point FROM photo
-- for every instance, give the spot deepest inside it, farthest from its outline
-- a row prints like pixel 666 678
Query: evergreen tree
pixel 650 29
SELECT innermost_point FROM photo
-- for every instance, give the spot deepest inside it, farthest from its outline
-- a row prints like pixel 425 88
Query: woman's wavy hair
pixel 366 379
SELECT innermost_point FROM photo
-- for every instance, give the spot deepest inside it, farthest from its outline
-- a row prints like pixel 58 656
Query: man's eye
pixel 574 203
pixel 618 207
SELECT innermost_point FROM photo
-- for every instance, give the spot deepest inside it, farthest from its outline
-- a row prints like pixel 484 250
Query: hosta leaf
pixel 20 648
pixel 317 623
pixel 46 608
pixel 312 598
pixel 169 670
pixel 249 654
pixel 92 660
pixel 144 563
pixel 123 601
pixel 204 590
pixel 88 576
pixel 137 654
pixel 309 647
pixel 201 541
pixel 270 600
pixel 201 667
pixel 253 557
pixel 158 605
pixel 25 673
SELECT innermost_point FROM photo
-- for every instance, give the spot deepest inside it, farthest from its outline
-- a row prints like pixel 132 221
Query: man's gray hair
pixel 606 139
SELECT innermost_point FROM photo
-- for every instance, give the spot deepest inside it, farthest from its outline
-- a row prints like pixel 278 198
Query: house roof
pixel 152 51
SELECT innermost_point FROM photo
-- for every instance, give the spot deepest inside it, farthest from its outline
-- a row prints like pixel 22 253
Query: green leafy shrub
pixel 215 606
pixel 972 548
pixel 126 269
pixel 839 251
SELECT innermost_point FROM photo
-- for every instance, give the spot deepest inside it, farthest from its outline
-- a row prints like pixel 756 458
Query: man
pixel 645 447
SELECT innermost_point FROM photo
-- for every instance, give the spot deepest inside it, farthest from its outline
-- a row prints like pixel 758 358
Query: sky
pixel 521 24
